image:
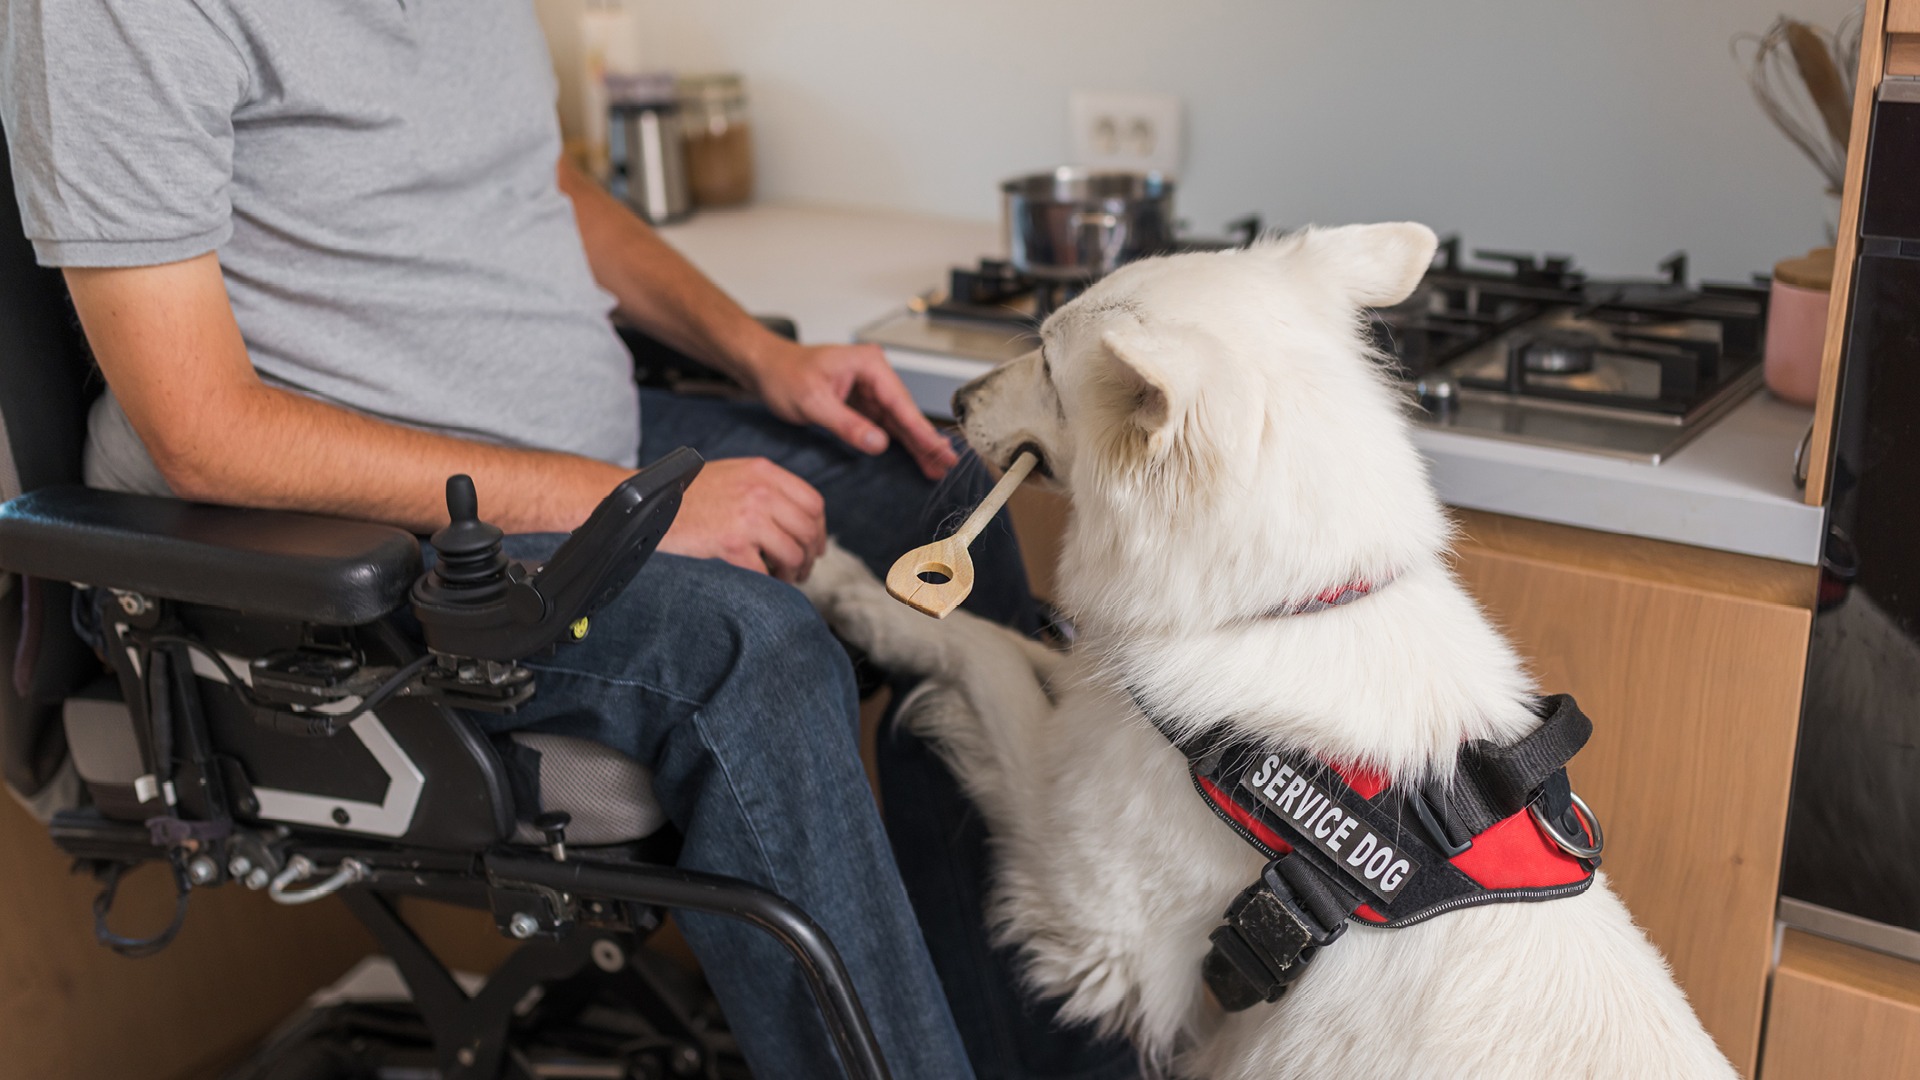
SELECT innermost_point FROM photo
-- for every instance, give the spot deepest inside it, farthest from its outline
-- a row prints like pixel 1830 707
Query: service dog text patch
pixel 1356 847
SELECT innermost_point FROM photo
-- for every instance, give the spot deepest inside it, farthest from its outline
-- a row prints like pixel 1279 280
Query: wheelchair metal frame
pixel 564 902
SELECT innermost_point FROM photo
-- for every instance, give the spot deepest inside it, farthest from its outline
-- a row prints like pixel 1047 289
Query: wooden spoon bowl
pixel 935 578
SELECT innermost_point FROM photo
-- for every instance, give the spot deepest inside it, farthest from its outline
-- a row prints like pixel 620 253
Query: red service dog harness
pixel 1345 844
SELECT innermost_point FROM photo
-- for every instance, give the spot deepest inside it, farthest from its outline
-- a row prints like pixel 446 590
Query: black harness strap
pixel 1501 780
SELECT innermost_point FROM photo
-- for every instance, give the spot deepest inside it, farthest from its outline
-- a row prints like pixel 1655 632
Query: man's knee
pixel 768 638
pixel 779 632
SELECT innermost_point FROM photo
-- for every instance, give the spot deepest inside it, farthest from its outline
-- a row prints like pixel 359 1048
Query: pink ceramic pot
pixel 1797 326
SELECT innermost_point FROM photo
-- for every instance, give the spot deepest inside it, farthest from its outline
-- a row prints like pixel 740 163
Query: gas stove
pixel 1503 346
pixel 1531 349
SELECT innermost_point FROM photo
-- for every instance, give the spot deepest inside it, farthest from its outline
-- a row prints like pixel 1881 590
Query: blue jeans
pixel 729 687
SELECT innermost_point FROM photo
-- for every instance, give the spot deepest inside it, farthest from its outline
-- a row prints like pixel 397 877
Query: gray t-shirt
pixel 377 177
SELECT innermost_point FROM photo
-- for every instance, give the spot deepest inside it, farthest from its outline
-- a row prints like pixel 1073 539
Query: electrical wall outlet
pixel 1125 131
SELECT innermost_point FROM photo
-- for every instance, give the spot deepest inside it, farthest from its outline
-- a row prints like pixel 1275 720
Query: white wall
pixel 1617 130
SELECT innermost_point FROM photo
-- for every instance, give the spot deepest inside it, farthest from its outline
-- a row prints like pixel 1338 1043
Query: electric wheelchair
pixel 284 705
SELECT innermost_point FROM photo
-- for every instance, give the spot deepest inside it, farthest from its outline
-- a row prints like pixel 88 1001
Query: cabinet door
pixel 1903 17
pixel 1690 664
pixel 1838 1010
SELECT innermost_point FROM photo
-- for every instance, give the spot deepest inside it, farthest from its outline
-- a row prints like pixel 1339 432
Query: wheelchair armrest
pixel 263 562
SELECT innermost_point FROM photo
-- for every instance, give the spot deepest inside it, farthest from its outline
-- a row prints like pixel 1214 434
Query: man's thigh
pixel 683 633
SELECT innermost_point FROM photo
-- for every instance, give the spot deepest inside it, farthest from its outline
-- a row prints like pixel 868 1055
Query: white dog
pixel 1232 448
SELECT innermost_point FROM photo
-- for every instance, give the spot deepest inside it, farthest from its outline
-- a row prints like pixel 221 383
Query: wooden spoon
pixel 1823 81
pixel 934 578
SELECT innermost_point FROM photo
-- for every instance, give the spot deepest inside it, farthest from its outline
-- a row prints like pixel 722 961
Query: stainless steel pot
pixel 1075 225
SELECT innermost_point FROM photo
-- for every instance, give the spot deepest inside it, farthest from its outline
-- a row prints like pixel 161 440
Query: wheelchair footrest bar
pixel 713 894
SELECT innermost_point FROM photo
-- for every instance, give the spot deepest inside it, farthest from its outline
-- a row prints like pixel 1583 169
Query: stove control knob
pixel 1437 396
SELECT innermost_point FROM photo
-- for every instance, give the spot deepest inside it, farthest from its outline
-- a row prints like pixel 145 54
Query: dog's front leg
pixel 987 697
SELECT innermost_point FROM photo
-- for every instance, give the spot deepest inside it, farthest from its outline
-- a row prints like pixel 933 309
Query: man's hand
pixel 755 515
pixel 851 391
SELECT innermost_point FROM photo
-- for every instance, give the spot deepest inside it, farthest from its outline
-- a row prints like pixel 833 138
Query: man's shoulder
pixel 117 116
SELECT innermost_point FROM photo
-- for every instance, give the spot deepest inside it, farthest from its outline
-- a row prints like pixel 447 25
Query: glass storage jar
pixel 713 110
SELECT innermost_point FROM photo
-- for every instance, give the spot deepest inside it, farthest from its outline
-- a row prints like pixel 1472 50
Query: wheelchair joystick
pixel 472 563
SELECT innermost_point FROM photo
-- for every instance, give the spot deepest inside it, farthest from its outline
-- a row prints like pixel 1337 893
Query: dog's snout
pixel 963 397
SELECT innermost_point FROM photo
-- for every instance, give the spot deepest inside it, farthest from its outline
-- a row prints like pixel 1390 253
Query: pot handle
pixel 1101 236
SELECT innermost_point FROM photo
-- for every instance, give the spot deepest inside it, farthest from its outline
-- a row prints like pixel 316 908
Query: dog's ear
pixel 1146 376
pixel 1379 265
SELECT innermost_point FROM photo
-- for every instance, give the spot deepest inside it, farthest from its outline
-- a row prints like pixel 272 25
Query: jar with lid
pixel 713 112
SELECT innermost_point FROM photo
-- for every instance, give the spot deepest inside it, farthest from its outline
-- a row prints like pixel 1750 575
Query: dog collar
pixel 1336 596
pixel 1346 844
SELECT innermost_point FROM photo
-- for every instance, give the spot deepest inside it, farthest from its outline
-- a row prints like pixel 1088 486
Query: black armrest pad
pixel 262 562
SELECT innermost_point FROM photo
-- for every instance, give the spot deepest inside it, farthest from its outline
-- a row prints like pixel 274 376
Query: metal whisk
pixel 1803 78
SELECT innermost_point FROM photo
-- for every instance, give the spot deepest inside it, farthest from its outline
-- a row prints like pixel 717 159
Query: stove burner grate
pixel 1556 351
pixel 995 292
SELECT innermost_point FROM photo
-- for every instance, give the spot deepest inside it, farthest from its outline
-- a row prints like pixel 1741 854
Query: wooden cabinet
pixel 1838 1010
pixel 71 1009
pixel 1689 662
pixel 1903 16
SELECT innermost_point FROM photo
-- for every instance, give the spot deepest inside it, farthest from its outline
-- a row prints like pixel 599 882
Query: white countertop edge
pixel 1768 528
pixel 1730 489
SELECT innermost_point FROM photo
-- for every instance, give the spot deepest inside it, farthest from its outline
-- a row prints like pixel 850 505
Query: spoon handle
pixel 996 498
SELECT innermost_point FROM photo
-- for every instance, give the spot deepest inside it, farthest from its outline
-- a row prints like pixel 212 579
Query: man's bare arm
pixel 656 287
pixel 166 339
pixel 848 389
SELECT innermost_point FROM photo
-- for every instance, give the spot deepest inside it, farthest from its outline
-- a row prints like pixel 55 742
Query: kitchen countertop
pixel 834 270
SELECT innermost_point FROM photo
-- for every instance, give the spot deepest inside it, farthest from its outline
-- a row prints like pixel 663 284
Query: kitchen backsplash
pixel 1620 130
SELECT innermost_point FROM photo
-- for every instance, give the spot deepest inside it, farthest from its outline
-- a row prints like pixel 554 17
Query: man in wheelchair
pixel 324 262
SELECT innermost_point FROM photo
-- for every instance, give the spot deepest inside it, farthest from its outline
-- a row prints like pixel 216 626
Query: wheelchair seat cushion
pixel 262 562
pixel 608 794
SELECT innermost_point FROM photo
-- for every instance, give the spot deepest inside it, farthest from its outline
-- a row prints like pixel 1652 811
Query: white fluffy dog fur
pixel 1230 445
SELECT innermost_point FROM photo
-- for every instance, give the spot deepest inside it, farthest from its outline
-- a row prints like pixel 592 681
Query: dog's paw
pixel 838 578
pixel 858 608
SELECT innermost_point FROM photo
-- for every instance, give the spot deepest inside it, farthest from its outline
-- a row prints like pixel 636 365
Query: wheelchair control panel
pixel 481 612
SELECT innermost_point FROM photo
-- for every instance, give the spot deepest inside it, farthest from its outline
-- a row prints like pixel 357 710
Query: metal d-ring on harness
pixel 1383 855
pixel 1566 843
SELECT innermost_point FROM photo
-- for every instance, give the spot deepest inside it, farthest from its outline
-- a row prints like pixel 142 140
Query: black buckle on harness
pixel 1271 932
pixel 1443 837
